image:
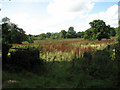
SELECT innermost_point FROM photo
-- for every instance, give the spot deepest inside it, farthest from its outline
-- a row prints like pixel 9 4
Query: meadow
pixel 65 49
pixel 65 63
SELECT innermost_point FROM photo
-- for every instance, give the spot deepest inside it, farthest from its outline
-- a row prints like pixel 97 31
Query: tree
pixel 0 36
pixel 5 33
pixel 71 33
pixel 63 34
pixel 48 34
pixel 30 38
pixel 11 33
pixel 117 53
pixel 118 39
pixel 80 34
pixel 99 30
pixel 116 30
pixel 112 32
pixel 89 34
pixel 17 34
pixel 5 20
pixel 42 36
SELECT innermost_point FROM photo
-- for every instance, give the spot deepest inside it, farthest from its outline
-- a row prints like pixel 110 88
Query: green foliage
pixel 63 34
pixel 39 47
pixel 93 70
pixel 71 33
pixel 80 34
pixel 11 33
pixel 100 67
pixel 30 39
pixel 5 49
pixel 25 59
pixel 54 36
pixel 42 36
pixel 5 19
pixel 99 30
pixel 112 32
pixel 48 35
pixel 118 39
pixel 5 33
pixel 89 34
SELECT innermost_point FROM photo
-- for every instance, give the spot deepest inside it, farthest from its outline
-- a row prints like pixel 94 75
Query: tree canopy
pixel 71 33
pixel 11 33
pixel 99 30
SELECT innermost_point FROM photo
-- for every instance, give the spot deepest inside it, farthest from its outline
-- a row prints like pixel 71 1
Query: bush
pixel 99 66
pixel 102 57
pixel 5 49
pixel 26 59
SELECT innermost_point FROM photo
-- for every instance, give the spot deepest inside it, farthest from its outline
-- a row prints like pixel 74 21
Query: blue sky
pixel 102 6
pixel 41 16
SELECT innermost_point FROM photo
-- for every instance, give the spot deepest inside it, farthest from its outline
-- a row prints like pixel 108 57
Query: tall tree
pixel 48 34
pixel 30 38
pixel 112 32
pixel 71 33
pixel 99 30
pixel 63 34
pixel 80 34
pixel 42 36
pixel 11 33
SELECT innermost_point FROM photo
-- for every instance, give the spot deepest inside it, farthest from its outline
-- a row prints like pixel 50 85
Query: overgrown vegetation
pixel 96 69
pixel 64 63
pixel 24 59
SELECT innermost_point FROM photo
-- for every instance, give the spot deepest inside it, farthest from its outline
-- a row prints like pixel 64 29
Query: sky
pixel 42 16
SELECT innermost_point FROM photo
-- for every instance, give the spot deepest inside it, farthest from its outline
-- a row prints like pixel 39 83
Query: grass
pixel 30 80
pixel 61 75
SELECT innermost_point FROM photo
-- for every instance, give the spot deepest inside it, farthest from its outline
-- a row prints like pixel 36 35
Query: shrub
pixel 101 57
pixel 26 59
pixel 5 49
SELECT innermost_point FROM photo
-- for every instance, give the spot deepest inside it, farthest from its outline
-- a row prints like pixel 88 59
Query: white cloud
pixel 30 23
pixel 61 14
pixel 66 13
pixel 69 9
pixel 110 16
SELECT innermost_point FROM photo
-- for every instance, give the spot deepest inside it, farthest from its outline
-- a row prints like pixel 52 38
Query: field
pixel 58 50
pixel 69 63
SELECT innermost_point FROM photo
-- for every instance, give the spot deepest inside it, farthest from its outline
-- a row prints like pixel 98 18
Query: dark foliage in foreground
pixel 5 50
pixel 99 69
pixel 24 59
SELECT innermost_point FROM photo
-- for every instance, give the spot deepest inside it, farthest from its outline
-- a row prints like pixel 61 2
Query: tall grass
pixel 65 48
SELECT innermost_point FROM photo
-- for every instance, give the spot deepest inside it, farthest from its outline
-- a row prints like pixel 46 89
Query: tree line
pixel 98 30
pixel 71 33
pixel 11 33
